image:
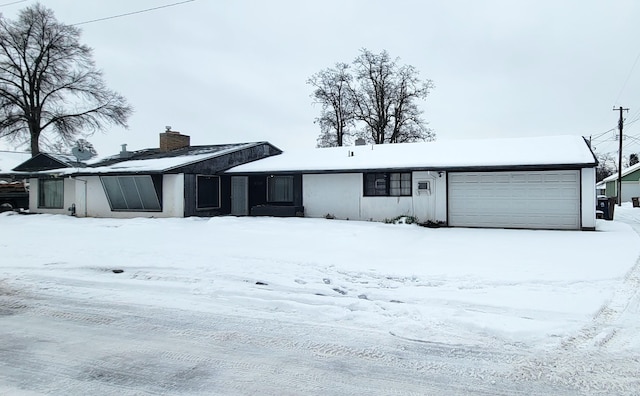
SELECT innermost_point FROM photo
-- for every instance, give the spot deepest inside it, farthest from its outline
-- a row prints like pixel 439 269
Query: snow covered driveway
pixel 310 306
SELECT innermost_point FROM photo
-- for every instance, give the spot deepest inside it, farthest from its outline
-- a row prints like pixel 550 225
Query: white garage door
pixel 542 199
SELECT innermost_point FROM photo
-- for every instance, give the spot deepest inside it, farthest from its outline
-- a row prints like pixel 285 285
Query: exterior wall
pixel 630 188
pixel 332 194
pixel 98 204
pixel 341 196
pixel 69 197
pixel 90 200
pixel 588 195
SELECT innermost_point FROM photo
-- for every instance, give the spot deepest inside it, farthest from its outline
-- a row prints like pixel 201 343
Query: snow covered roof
pixel 11 159
pixel 445 154
pixel 625 172
pixel 153 160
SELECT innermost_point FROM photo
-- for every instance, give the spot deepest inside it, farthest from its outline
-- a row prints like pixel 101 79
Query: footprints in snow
pixel 327 281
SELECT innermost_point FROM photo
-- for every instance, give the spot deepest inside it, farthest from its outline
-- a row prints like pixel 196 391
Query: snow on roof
pixel 11 159
pixel 551 150
pixel 166 162
pixel 625 172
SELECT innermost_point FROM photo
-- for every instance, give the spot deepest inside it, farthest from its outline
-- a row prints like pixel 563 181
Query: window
pixel 51 193
pixel 386 184
pixel 280 189
pixel 208 192
pixel 132 192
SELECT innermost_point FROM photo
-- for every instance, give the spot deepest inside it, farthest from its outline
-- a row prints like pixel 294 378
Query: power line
pixel 12 3
pixel 133 12
pixel 624 85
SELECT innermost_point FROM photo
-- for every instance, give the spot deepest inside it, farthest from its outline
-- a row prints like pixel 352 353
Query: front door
pixel 239 195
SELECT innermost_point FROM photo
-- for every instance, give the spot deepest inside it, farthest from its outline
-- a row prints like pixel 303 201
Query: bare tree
pixel 332 91
pixel 381 98
pixel 373 97
pixel 408 125
pixel 607 166
pixel 49 81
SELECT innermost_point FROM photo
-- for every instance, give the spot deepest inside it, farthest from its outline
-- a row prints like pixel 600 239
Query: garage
pixel 546 199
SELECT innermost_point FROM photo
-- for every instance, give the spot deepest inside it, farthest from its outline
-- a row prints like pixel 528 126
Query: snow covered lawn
pixel 454 286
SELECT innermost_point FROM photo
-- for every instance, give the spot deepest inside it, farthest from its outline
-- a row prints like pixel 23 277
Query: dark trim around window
pixel 133 193
pixel 207 192
pixel 386 184
pixel 280 189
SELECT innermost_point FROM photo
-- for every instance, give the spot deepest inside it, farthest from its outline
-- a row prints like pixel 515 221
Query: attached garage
pixel 522 199
pixel 545 182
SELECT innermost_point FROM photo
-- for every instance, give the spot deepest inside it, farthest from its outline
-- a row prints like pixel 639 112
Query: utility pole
pixel 620 124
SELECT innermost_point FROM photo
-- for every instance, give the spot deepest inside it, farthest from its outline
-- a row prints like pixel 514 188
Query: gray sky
pixel 234 71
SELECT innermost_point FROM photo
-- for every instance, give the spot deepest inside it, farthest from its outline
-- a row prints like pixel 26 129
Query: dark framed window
pixel 385 184
pixel 136 192
pixel 207 192
pixel 51 193
pixel 280 189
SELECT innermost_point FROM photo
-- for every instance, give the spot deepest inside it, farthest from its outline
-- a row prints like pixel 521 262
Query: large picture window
pixel 208 188
pixel 131 193
pixel 51 193
pixel 385 184
pixel 280 189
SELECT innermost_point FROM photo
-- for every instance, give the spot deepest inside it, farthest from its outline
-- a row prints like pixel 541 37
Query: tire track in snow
pixel 595 360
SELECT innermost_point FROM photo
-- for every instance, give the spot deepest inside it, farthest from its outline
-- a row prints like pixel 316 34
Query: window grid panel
pixel 131 193
pixel 147 193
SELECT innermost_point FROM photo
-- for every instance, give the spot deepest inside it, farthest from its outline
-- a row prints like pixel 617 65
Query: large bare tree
pixel 49 82
pixel 386 98
pixel 380 99
pixel 332 91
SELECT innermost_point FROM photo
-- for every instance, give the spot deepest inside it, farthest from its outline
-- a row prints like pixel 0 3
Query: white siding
pixel 87 193
pixel 341 195
pixel 69 197
pixel 588 180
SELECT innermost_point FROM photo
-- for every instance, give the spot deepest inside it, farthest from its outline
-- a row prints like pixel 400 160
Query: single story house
pixel 174 180
pixel 537 182
pixel 630 183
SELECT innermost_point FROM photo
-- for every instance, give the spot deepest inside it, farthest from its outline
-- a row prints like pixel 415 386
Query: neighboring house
pixel 175 180
pixel 630 183
pixel 539 183
pixel 14 191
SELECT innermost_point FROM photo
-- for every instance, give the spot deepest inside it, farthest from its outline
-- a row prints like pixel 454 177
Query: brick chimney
pixel 172 140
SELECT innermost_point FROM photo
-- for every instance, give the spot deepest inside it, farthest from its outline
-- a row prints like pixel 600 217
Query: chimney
pixel 360 142
pixel 173 140
pixel 124 153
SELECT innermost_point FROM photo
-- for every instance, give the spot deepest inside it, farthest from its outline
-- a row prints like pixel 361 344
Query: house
pixel 174 180
pixel 538 183
pixel 630 183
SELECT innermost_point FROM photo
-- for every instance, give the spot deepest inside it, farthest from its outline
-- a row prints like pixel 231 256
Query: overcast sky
pixel 235 71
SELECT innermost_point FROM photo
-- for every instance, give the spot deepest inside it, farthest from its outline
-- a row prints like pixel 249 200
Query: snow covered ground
pixel 312 306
